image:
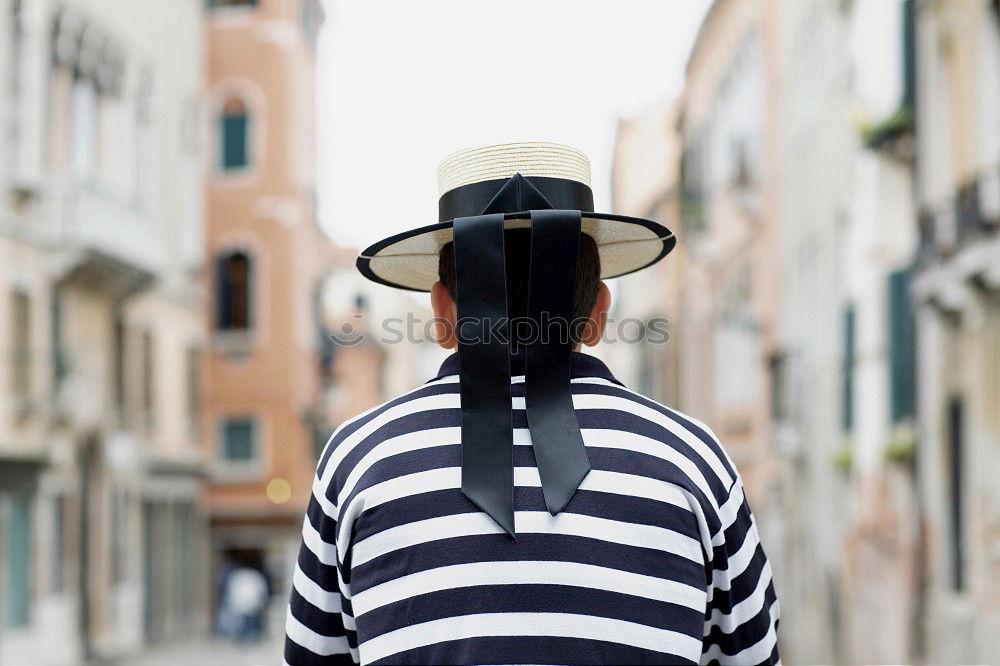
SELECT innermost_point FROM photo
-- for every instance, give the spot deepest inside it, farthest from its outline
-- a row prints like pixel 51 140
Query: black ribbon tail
pixel 484 366
pixel 559 449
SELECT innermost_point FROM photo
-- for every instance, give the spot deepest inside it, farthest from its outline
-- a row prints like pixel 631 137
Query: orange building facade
pixel 268 363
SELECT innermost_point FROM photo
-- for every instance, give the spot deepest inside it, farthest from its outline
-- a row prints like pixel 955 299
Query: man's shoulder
pixel 401 413
pixel 611 416
pixel 683 440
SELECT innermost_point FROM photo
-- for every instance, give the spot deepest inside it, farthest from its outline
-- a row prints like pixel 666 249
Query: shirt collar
pixel 580 365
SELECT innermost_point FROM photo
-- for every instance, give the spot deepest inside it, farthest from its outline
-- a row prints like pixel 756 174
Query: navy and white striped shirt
pixel 656 559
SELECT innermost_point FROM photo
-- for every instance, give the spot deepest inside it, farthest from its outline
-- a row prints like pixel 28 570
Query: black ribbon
pixel 484 352
pixel 484 367
pixel 555 434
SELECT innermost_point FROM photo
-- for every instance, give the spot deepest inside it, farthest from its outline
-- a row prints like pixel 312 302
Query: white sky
pixel 403 83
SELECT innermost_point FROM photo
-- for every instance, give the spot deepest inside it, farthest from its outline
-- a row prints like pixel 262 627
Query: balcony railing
pixel 83 217
pixel 968 220
pixel 972 212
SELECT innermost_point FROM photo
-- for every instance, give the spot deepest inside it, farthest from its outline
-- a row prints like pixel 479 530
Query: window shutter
pixel 848 368
pixel 901 345
pixel 18 547
pixel 234 140
pixel 239 440
pixel 956 410
pixel 223 295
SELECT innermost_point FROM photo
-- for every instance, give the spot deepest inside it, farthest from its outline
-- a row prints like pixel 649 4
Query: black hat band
pixel 516 194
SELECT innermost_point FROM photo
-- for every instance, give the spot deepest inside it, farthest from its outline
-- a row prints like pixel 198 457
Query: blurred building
pixel 957 289
pixel 816 146
pixel 100 328
pixel 729 221
pixel 843 378
pixel 269 358
pixel 645 184
pixel 811 133
pixel 705 166
pixel 383 343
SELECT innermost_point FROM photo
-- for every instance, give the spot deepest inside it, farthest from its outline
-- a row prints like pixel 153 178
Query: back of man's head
pixel 517 254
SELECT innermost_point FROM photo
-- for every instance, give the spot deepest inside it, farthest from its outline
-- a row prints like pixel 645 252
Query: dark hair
pixel 517 253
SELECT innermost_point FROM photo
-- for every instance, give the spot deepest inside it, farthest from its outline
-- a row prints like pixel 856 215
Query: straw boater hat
pixel 544 189
pixel 468 178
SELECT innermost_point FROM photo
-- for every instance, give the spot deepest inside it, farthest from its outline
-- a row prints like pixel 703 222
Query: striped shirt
pixel 656 559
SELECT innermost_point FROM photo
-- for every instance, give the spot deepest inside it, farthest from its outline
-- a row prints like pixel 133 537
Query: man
pixel 524 506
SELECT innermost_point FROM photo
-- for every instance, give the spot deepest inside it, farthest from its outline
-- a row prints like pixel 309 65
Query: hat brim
pixel 409 260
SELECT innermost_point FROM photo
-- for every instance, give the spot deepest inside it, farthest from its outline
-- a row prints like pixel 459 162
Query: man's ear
pixel 445 316
pixel 594 330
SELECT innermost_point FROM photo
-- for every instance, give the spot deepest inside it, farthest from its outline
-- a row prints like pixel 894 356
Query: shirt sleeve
pixel 319 628
pixel 741 618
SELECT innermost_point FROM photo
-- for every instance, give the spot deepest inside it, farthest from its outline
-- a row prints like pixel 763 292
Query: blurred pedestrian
pixel 225 623
pixel 245 601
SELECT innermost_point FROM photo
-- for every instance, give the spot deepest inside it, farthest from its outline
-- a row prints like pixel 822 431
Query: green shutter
pixel 18 538
pixel 902 347
pixel 848 368
pixel 909 55
pixel 238 440
pixel 234 140
pixel 215 4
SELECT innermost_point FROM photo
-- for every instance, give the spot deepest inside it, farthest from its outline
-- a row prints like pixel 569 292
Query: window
pixel 193 362
pixel 847 388
pixel 60 115
pixel 234 133
pixel 140 130
pixel 150 547
pixel 65 50
pixel 239 440
pixel 216 4
pixel 693 186
pixel 955 474
pixel 738 370
pixel 119 536
pixel 57 582
pixel 148 368
pixel 647 365
pixel 17 55
pixel 909 54
pixel 118 366
pixel 21 344
pixel 310 15
pixel 185 559
pixel 320 436
pixel 60 362
pixel 902 347
pixel 17 538
pixel 83 130
pixel 778 364
pixel 233 291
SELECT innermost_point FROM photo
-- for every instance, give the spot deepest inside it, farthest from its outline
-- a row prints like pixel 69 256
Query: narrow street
pixel 211 651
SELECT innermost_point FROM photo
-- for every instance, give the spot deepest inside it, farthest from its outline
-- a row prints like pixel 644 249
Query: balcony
pixel 107 241
pixel 926 236
pixel 20 471
pixel 972 213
